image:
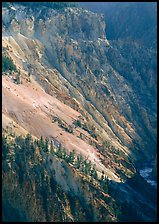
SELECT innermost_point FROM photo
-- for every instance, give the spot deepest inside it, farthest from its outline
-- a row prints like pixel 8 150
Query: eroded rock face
pixel 105 77
pixel 69 72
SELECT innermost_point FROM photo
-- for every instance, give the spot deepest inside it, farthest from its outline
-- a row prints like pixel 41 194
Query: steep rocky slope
pixel 88 73
pixel 83 92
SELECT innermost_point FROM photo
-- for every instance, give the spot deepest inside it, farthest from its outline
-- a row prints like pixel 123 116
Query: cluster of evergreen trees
pixel 24 154
pixel 7 64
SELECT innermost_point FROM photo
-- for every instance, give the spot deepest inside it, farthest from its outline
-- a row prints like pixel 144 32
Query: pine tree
pixel 105 185
pixel 71 156
pixel 78 161
pixel 41 143
pixel 46 145
pixel 94 173
pixel 59 151
pixel 102 177
pixel 28 141
pixel 51 147
pixel 5 148
pixel 87 167
pixel 64 154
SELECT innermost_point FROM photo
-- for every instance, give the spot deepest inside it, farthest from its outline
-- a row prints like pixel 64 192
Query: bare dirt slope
pixel 27 108
pixel 31 108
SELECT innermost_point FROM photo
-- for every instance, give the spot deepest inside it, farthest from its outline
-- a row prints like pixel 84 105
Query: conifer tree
pixel 78 161
pixel 41 143
pixel 102 177
pixel 71 156
pixel 94 173
pixel 51 147
pixel 46 145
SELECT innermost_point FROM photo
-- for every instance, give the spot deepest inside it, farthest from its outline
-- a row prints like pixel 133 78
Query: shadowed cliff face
pixel 128 20
pixel 91 95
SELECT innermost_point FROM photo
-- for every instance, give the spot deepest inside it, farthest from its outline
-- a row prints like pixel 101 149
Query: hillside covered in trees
pixel 31 163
